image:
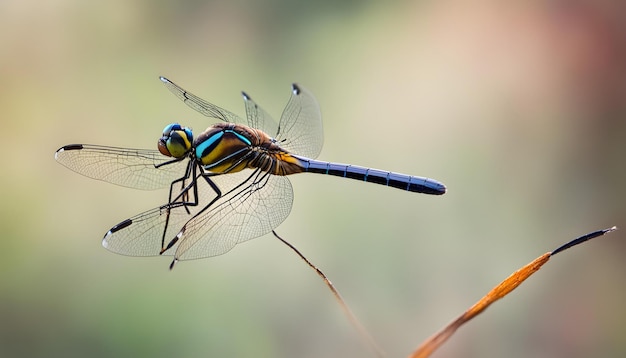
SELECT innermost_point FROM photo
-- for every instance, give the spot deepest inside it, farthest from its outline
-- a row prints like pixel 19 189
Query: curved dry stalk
pixel 365 335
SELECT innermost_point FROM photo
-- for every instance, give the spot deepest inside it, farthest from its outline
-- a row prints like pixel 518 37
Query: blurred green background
pixel 519 109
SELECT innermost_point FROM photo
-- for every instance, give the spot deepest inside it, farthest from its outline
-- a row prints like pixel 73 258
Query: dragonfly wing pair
pixel 250 206
pixel 300 128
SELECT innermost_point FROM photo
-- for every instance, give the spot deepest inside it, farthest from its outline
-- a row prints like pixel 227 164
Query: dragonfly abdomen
pixel 395 180
pixel 276 162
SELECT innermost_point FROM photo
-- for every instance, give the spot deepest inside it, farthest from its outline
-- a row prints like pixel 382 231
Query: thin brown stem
pixel 351 317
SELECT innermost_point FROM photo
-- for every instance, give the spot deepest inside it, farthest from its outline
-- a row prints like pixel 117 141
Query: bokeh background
pixel 520 109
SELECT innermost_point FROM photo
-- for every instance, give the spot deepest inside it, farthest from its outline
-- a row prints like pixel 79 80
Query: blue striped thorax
pixel 176 140
pixel 223 146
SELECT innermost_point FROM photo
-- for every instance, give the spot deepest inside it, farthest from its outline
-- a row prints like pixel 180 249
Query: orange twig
pixel 501 290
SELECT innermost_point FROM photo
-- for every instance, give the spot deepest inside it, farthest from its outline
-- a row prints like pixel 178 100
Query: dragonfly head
pixel 176 140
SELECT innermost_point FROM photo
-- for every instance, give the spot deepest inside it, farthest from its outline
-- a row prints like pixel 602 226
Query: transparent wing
pixel 142 235
pixel 252 209
pixel 242 213
pixel 133 168
pixel 300 129
pixel 258 118
pixel 200 105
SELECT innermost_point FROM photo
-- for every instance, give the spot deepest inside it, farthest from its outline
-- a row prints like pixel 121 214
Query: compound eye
pixel 176 141
pixel 170 128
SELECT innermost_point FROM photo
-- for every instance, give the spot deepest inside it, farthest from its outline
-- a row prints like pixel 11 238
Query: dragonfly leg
pixel 255 181
pixel 194 185
pixel 183 196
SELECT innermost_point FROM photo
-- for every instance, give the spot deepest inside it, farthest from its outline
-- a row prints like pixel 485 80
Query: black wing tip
pixel 120 226
pixel 66 148
pixel 295 88
pixel 114 229
pixel 70 147
pixel 164 79
pixel 246 97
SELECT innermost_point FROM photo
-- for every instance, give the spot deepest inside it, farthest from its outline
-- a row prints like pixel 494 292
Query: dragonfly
pixel 227 185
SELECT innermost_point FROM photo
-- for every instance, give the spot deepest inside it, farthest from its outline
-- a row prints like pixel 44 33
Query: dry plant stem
pixel 501 290
pixel 506 286
pixel 353 320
